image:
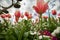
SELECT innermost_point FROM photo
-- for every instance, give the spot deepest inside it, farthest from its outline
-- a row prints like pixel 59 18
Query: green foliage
pixel 21 30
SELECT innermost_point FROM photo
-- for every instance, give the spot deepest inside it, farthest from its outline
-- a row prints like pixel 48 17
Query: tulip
pixel 29 16
pixel 54 12
pixel 17 15
pixel 8 15
pixel 26 14
pixel 59 14
pixel 3 15
pixel 22 16
pixel 16 19
pixel 41 7
pixel 45 18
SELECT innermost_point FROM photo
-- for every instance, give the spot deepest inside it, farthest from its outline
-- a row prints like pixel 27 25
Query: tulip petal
pixel 36 9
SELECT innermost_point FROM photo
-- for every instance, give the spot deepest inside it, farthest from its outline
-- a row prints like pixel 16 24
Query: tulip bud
pixel 3 15
pixel 22 15
pixel 8 15
pixel 17 15
pixel 54 12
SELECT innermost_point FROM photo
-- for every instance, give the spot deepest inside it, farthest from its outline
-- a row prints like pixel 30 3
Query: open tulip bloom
pixel 41 6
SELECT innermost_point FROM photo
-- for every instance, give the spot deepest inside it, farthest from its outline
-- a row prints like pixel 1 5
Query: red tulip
pixel 29 16
pixel 45 17
pixel 26 14
pixel 17 15
pixel 22 15
pixel 16 19
pixel 59 15
pixel 54 12
pixel 3 15
pixel 8 15
pixel 41 7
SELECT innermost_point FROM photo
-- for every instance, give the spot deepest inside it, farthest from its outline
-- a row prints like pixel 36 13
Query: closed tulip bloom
pixel 54 12
pixel 17 15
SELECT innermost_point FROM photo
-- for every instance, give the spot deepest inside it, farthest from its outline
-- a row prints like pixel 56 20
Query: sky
pixel 26 5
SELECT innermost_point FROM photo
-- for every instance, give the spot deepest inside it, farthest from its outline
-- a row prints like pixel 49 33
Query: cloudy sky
pixel 26 5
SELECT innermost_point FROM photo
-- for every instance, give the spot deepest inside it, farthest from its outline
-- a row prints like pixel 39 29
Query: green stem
pixel 49 19
pixel 59 20
pixel 41 25
pixel 41 21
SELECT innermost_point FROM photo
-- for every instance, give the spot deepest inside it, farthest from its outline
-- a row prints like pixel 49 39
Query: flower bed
pixel 42 28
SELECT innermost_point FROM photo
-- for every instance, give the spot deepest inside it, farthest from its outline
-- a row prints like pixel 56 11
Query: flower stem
pixel 49 17
pixel 59 22
pixel 41 25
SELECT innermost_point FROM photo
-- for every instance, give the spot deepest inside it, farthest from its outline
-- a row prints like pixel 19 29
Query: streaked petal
pixel 36 9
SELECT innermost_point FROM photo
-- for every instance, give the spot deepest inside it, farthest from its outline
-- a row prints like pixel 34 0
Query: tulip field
pixel 43 23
